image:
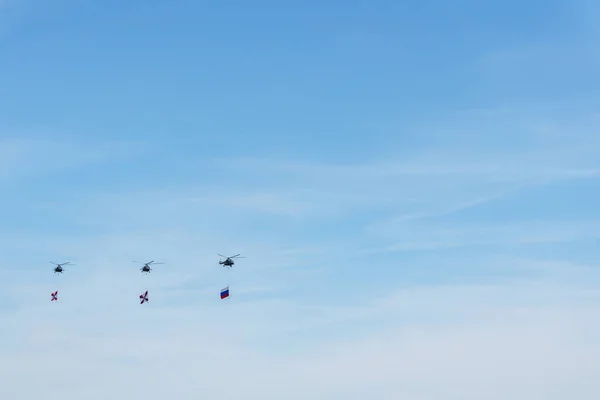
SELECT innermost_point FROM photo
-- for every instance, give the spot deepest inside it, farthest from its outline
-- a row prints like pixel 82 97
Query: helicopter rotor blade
pixel 221 255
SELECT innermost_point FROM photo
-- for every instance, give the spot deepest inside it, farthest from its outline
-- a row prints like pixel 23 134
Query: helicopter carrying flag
pixel 225 293
pixel 59 267
pixel 228 262
pixel 146 268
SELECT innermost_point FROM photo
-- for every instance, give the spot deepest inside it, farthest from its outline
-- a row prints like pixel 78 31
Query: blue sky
pixel 414 185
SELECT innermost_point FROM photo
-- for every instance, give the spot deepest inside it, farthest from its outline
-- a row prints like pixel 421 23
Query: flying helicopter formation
pixel 146 269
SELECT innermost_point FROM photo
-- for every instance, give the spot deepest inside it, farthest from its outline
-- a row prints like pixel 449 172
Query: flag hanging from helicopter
pixel 144 297
pixel 225 293
pixel 54 296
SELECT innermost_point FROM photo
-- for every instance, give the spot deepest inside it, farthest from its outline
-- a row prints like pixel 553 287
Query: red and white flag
pixel 144 297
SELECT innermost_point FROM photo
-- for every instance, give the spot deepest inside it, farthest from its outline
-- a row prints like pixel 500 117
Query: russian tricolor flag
pixel 225 293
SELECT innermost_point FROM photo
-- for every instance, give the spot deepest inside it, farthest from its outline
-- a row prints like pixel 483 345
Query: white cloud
pixel 472 157
pixel 431 236
pixel 522 340
pixel 25 157
pixel 11 151
pixel 531 334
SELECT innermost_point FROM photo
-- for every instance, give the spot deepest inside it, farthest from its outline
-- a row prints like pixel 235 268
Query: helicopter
pixel 146 268
pixel 59 267
pixel 228 260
